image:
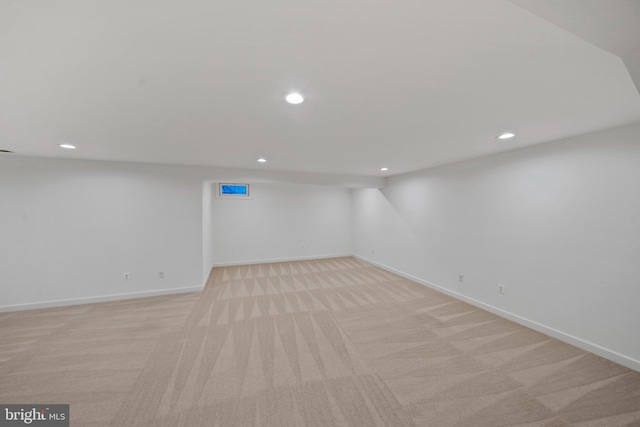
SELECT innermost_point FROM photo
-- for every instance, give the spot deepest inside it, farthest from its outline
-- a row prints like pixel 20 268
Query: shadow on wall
pixel 556 225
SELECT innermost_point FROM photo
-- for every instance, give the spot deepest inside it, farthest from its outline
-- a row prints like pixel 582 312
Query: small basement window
pixel 233 191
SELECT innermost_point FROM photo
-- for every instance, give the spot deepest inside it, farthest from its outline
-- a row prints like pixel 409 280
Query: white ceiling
pixel 613 25
pixel 407 85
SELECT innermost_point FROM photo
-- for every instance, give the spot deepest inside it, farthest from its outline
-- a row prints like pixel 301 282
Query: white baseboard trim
pixel 103 298
pixel 606 353
pixel 267 261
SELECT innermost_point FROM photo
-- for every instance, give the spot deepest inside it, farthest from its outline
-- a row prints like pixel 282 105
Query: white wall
pixel 207 224
pixel 280 222
pixel 558 224
pixel 70 229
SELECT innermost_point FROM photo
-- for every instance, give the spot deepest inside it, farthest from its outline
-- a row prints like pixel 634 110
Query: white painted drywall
pixel 207 241
pixel 71 229
pixel 558 224
pixel 279 222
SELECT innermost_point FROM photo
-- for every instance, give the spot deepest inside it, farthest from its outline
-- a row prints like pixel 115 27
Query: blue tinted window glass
pixel 234 189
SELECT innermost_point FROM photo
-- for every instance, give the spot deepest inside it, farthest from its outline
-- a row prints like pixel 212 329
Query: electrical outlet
pixel 500 289
pixel 126 276
pixel 461 278
pixel 161 275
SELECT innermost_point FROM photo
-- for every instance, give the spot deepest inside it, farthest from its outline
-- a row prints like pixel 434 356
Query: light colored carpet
pixel 332 342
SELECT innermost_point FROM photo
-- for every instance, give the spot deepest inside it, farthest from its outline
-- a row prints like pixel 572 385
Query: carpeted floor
pixel 313 343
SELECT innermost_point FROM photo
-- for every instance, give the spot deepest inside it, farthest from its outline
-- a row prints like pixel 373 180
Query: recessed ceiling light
pixel 294 98
pixel 262 160
pixel 506 135
pixel 67 146
pixel 384 169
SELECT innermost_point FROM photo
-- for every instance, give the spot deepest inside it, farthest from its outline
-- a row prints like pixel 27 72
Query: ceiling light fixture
pixel 384 169
pixel 67 146
pixel 294 98
pixel 262 160
pixel 506 135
